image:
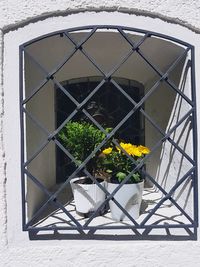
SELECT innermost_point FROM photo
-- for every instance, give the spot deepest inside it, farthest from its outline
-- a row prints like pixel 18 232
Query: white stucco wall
pixel 15 247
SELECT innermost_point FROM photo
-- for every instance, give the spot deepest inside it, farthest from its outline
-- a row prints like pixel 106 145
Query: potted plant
pixel 80 139
pixel 118 165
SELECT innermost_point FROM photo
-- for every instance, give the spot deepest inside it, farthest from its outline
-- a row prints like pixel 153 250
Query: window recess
pixel 128 86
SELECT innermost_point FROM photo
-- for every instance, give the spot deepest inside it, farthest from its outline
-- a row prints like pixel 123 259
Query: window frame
pixel 121 29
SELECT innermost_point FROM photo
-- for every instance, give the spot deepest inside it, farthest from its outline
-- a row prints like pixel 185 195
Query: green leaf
pixel 120 176
pixel 136 178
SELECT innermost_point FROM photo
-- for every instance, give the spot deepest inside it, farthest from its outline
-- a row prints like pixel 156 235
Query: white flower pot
pixel 87 197
pixel 129 197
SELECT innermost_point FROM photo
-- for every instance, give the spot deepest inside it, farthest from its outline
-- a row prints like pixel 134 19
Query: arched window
pixel 115 104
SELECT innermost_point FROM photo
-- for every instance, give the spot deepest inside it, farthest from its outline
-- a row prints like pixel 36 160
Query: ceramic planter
pixel 129 197
pixel 87 197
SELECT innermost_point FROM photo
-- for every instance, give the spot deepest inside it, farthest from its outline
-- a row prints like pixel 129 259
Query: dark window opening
pixel 107 106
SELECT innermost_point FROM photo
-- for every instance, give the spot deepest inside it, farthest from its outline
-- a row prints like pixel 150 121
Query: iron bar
pixel 195 141
pixel 167 196
pixel 164 77
pixel 56 203
pixel 21 87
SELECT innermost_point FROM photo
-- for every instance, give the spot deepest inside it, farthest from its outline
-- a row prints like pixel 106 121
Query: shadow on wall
pixel 169 163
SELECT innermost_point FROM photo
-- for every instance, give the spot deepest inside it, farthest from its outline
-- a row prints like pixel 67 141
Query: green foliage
pixel 80 139
pixel 119 165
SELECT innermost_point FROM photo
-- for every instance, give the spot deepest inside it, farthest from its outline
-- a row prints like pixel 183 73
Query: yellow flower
pixel 144 149
pixel 136 152
pixel 128 147
pixel 118 148
pixel 107 151
pixel 133 150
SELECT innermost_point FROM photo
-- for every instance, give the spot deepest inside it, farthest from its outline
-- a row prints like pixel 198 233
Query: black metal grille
pixel 142 228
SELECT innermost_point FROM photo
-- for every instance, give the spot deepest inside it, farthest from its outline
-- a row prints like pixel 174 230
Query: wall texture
pixel 180 11
pixel 19 17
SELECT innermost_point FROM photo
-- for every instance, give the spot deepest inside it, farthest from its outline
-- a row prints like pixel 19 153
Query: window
pixel 131 87
pixel 106 103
